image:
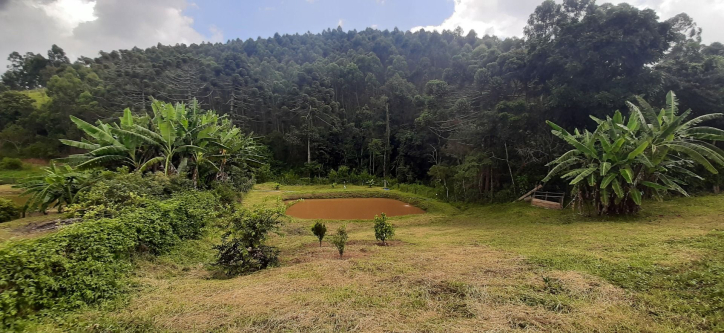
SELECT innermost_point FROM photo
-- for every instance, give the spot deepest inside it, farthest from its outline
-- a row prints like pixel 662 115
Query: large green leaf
pixel 607 180
pixel 653 185
pixel 81 145
pixel 640 149
pixel 701 119
pixel 706 133
pixel 583 175
pixel 627 174
pixel 694 155
pixel 605 166
pixel 636 196
pixel 617 188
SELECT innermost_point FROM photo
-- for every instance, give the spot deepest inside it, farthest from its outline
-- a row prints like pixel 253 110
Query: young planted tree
pixel 340 239
pixel 383 228
pixel 243 247
pixel 650 154
pixel 319 229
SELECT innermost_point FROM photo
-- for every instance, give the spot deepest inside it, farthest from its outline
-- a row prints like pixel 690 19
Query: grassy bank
pixel 500 268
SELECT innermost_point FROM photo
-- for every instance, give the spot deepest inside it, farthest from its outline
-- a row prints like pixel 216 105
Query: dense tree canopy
pixel 463 111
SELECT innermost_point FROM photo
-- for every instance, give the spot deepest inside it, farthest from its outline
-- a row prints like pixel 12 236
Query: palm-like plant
pixel 648 153
pixel 59 187
pixel 110 144
pixel 176 136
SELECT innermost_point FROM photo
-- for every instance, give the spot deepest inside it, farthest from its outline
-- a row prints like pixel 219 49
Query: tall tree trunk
pixel 387 145
pixel 309 134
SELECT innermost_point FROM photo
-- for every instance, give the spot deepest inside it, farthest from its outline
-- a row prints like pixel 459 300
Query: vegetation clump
pixel 650 154
pixel 87 262
pixel 384 230
pixel 58 187
pixel 340 239
pixel 8 210
pixel 243 249
pixel 319 229
pixel 8 163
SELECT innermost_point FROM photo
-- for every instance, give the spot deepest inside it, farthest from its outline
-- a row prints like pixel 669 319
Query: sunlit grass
pixel 498 268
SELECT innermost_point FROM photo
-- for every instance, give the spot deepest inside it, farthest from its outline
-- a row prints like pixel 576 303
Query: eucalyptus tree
pixel 648 153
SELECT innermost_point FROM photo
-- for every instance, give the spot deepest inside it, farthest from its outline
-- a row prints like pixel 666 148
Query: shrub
pixel 8 163
pixel 242 249
pixel 227 194
pixel 383 228
pixel 319 229
pixel 87 262
pixel 340 239
pixel 121 190
pixel 8 210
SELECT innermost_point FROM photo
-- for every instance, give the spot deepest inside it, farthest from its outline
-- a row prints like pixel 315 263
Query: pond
pixel 350 208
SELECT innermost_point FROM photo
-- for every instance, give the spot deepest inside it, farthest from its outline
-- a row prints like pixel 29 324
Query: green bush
pixel 8 163
pixel 8 210
pixel 340 239
pixel 242 249
pixel 89 261
pixel 122 190
pixel 227 194
pixel 319 229
pixel 383 228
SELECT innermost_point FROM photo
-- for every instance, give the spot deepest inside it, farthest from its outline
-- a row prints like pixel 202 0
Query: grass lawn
pixel 13 176
pixel 507 267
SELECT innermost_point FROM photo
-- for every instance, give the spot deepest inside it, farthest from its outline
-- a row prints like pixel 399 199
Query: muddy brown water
pixel 350 208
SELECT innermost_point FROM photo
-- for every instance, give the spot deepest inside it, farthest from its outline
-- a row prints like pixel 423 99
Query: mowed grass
pixel 508 267
pixel 28 170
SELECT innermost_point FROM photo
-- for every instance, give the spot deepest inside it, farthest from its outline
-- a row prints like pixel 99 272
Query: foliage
pixel 8 163
pixel 87 262
pixel 227 194
pixel 242 249
pixel 177 137
pixel 8 210
pixel 648 154
pixel 384 230
pixel 116 191
pixel 340 239
pixel 385 104
pixel 59 187
pixel 319 229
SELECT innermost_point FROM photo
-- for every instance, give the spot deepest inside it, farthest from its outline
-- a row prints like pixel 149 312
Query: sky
pixel 84 27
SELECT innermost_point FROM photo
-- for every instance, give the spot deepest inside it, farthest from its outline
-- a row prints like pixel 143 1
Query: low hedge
pixel 8 210
pixel 90 261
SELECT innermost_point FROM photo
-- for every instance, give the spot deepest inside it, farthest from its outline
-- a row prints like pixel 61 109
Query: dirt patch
pixel 48 225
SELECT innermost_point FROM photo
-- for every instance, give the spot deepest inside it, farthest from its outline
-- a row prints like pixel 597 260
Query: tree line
pixel 463 112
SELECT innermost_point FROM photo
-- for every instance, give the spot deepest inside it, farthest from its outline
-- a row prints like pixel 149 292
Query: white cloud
pixel 708 14
pixel 498 17
pixel 217 36
pixel 507 18
pixel 83 27
pixel 70 13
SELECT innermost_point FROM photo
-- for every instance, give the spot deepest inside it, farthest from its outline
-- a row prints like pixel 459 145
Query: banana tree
pixel 110 145
pixel 614 166
pixel 58 187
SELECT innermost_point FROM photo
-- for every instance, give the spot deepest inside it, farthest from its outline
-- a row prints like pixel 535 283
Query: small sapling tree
pixel 319 229
pixel 384 230
pixel 340 239
pixel 242 249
